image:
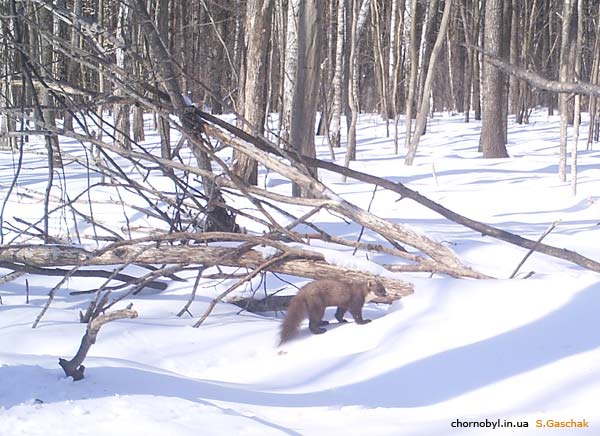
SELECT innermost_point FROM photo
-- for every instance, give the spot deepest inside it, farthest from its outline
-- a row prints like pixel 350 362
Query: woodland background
pixel 93 73
pixel 64 59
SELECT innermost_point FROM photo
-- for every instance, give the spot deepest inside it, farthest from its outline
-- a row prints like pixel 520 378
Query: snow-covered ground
pixel 457 351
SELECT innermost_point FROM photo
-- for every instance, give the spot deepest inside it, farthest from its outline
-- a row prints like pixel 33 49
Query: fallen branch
pixel 537 243
pixel 247 277
pixel 303 161
pixel 303 263
pixel 480 227
pixel 74 368
pixel 29 269
pixel 538 81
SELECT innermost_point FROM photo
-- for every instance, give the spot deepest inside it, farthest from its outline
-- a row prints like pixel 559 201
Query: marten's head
pixel 375 287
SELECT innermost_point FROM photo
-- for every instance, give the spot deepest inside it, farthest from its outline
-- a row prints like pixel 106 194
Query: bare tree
pixel 493 121
pixel 290 66
pixel 359 18
pixel 253 101
pixel 306 87
pixel 577 114
pixel 336 111
pixel 414 64
pixel 565 49
pixel 424 107
pixel 122 112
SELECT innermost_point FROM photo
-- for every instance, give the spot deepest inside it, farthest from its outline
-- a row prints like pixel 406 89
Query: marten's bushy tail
pixel 296 312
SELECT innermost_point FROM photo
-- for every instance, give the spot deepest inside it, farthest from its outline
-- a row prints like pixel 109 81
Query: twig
pixel 537 243
pixel 29 269
pixel 233 287
pixel 10 277
pixel 185 308
pixel 362 228
pixel 52 294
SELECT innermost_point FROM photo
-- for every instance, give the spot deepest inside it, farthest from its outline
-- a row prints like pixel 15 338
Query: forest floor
pixel 492 352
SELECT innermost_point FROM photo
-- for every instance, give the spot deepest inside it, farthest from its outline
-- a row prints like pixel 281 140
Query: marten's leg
pixel 315 317
pixel 339 314
pixel 356 312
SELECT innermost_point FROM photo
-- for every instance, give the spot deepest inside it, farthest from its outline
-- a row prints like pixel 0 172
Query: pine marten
pixel 314 297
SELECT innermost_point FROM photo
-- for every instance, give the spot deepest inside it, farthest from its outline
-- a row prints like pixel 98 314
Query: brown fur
pixel 314 297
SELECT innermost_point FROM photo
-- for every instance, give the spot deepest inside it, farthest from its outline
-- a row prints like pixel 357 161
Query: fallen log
pixel 301 263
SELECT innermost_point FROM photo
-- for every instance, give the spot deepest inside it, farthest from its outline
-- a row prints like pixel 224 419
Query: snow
pixel 517 350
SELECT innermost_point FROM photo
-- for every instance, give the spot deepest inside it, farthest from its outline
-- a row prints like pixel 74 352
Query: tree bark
pixel 254 103
pixel 336 111
pixel 290 66
pixel 306 87
pixel 122 112
pixel 565 48
pixel 424 109
pixel 493 124
pixel 301 263
pixel 74 368
pixel 412 79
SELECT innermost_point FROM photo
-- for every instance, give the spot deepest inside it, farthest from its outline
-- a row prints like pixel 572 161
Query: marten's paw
pixel 318 331
pixel 323 322
pixel 364 321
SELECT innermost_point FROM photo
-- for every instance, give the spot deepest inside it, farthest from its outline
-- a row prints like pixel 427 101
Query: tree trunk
pixel 493 124
pixel 424 109
pixel 359 18
pixel 290 68
pixel 577 114
pixel 73 67
pixel 306 87
pixel 257 37
pixel 414 64
pixel 336 110
pixel 164 128
pixel 565 48
pixel 476 63
pixel 122 112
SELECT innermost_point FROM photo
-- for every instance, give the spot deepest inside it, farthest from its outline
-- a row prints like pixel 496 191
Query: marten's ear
pixel 370 283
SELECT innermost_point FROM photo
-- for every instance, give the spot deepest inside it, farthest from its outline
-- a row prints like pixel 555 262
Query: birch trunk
pixel 563 98
pixel 336 110
pixel 359 18
pixel 122 112
pixel 290 67
pixel 577 116
pixel 414 64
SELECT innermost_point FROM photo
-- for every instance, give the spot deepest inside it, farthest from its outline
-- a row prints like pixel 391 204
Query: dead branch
pixel 537 80
pixel 262 267
pixel 30 269
pixel 537 243
pixel 6 278
pixel 186 307
pixel 52 294
pixel 334 202
pixel 74 368
pixel 480 227
pixel 302 263
pixel 263 145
